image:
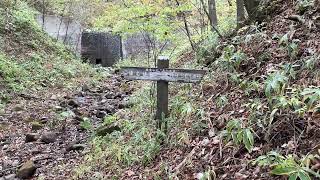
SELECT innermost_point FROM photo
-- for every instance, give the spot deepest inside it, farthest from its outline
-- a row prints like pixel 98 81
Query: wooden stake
pixel 162 94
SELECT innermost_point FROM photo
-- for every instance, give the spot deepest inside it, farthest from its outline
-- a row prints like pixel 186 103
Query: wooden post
pixel 162 74
pixel 162 94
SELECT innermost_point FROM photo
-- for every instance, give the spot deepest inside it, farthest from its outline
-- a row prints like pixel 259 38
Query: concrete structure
pixel 63 29
pixel 101 48
pixel 104 51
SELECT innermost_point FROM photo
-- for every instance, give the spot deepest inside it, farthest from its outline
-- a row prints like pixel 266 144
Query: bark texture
pixel 240 13
pixel 212 13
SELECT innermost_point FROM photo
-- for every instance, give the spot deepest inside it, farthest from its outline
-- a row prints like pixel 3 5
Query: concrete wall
pixel 67 31
pixel 101 48
pixel 134 46
pixel 70 32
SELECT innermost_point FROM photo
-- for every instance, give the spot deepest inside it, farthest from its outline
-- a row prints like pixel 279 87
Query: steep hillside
pixel 263 99
pixel 29 58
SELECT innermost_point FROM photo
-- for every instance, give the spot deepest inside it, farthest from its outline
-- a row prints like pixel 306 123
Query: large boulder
pixel 49 137
pixel 27 170
pixel 104 130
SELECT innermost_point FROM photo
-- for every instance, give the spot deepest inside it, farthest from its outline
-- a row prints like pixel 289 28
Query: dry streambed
pixel 43 135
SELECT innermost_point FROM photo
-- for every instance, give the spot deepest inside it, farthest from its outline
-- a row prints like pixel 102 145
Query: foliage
pixel 239 134
pixel 311 96
pixel 86 124
pixel 231 59
pixel 275 84
pixel 11 73
pixel 40 61
pixel 286 166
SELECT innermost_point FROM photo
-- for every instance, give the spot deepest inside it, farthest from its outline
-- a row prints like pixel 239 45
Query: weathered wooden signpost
pixel 162 75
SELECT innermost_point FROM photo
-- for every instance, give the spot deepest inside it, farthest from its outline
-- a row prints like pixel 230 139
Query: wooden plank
pixel 162 95
pixel 162 74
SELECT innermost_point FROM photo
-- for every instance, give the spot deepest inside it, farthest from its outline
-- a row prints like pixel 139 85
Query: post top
pixel 163 58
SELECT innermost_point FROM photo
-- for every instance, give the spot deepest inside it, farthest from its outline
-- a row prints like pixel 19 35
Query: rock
pixel 116 84
pixel 31 137
pixel 58 108
pixel 104 130
pixel 5 147
pixel 125 104
pixel 101 114
pixel 48 137
pixel 35 125
pixel 15 163
pixel 73 103
pixel 27 170
pixel 119 95
pixel 44 120
pixel 10 177
pixel 85 87
pixel 35 150
pixel 18 108
pixel 75 147
pixel 78 118
pixel 109 109
pixel 109 95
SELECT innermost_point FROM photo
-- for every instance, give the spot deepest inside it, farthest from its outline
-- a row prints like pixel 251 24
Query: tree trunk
pixel 240 13
pixel 43 13
pixel 67 30
pixel 317 5
pixel 212 13
pixel 187 28
pixel 210 20
pixel 252 7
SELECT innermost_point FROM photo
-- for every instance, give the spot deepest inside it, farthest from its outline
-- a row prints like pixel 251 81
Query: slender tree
pixel 252 7
pixel 240 13
pixel 317 5
pixel 212 13
pixel 210 20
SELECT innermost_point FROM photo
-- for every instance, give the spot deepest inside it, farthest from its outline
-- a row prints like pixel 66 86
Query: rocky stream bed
pixel 41 134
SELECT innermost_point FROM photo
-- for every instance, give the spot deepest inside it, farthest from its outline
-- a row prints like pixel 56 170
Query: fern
pixel 275 84
pixel 239 135
pixel 311 96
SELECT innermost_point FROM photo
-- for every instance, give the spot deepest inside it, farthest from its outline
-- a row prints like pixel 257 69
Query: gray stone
pixel 85 87
pixel 10 177
pixel 101 114
pixel 49 137
pixel 75 147
pixel 73 103
pixel 31 137
pixel 109 109
pixel 104 130
pixel 27 170
pixel 110 95
pixel 18 108
pixel 125 104
pixel 44 120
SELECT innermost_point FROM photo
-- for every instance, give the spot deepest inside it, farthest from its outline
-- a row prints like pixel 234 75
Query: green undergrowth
pixel 276 101
pixel 30 60
pixel 139 141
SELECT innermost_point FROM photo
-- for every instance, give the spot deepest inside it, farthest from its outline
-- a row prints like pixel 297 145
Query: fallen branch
pixel 182 164
pixel 297 18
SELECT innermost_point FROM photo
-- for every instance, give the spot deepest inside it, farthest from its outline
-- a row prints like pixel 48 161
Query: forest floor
pixel 45 128
pixel 48 133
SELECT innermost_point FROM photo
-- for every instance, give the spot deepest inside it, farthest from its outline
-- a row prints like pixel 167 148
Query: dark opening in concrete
pixel 98 61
